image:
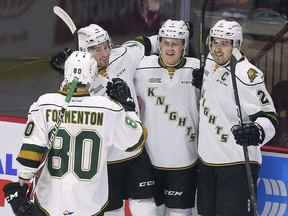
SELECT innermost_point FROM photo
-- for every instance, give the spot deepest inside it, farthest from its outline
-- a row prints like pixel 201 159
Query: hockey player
pixel 170 112
pixel 74 178
pixel 223 186
pixel 130 173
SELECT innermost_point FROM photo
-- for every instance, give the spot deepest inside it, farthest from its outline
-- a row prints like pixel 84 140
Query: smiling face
pixel 101 53
pixel 221 50
pixel 171 50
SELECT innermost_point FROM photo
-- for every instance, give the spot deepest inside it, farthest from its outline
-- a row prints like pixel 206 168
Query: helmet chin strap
pixel 236 52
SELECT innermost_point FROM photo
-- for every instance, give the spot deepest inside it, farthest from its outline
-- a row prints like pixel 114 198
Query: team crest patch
pixel 252 74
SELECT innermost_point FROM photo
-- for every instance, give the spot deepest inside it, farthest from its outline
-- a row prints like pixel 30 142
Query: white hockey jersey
pixel 122 64
pixel 218 113
pixel 74 177
pixel 169 111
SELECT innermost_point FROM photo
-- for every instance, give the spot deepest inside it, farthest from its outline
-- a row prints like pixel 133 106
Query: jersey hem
pixel 125 159
pixel 176 168
pixel 228 164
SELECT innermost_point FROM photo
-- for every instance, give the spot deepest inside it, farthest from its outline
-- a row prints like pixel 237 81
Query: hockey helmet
pixel 175 29
pixel 92 35
pixel 230 30
pixel 80 64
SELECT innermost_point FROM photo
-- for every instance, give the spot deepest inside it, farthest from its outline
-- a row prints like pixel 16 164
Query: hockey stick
pixel 233 62
pixel 270 44
pixel 66 18
pixel 202 43
pixel 68 21
pixel 54 132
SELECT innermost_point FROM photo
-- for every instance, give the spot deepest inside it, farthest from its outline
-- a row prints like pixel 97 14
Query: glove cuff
pixel 261 133
pixel 127 103
pixel 268 128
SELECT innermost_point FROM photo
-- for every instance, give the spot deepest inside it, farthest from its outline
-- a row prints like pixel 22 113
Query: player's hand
pixel 197 77
pixel 15 194
pixel 119 90
pixel 57 61
pixel 250 134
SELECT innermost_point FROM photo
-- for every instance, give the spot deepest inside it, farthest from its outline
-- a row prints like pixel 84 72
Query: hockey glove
pixel 250 134
pixel 15 194
pixel 119 90
pixel 57 61
pixel 197 77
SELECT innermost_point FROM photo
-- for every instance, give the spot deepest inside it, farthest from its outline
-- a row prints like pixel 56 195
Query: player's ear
pixel 237 45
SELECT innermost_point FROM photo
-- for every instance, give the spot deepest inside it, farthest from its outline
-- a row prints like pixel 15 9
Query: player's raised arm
pixel 119 91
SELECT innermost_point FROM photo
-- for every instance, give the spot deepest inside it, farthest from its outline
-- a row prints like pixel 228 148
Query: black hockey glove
pixel 119 90
pixel 250 134
pixel 15 194
pixel 197 77
pixel 57 61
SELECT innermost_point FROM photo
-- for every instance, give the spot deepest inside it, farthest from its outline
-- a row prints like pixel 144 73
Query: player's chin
pixel 169 57
pixel 219 60
pixel 102 63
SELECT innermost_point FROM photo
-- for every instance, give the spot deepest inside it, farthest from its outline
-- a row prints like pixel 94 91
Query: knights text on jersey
pixel 74 178
pixel 218 111
pixel 169 111
pixel 123 63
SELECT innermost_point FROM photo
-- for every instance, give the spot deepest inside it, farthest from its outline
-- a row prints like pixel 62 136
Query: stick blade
pixel 65 17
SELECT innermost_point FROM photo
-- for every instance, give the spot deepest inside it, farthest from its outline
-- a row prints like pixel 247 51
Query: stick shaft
pixel 270 44
pixel 233 63
pixel 202 29
pixel 55 129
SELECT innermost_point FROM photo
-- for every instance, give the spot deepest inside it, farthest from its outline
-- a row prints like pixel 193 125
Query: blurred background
pixel 30 33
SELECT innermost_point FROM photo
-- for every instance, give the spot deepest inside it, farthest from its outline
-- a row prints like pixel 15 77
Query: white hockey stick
pixel 68 21
pixel 66 18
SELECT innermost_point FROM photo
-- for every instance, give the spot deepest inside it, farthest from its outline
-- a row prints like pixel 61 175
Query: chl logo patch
pixel 155 80
pixel 252 74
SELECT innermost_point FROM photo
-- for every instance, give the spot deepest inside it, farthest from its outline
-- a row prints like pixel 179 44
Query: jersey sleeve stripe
pixel 270 115
pixel 141 142
pixel 30 155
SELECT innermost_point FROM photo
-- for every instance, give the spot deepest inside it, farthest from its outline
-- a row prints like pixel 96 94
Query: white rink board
pixel 11 141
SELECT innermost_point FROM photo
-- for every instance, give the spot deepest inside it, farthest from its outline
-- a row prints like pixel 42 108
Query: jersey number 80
pixel 80 153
